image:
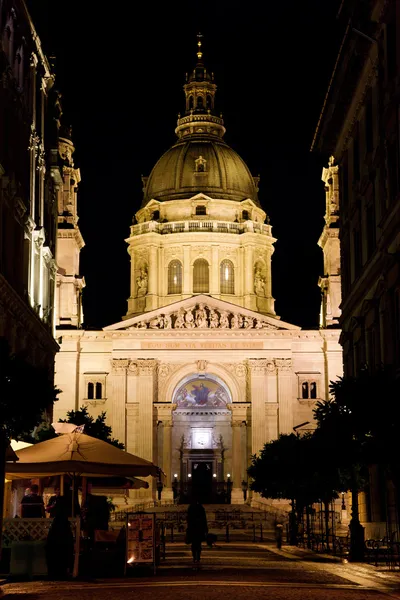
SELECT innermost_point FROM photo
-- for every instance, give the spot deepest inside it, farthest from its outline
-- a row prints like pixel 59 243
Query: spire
pixel 199 51
pixel 200 92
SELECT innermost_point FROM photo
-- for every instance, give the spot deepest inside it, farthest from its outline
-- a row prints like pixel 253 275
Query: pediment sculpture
pixel 202 316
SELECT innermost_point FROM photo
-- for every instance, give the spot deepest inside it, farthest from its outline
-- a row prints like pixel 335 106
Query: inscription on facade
pixel 201 345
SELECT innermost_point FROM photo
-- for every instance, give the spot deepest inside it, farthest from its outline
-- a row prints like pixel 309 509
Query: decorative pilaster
pixel 152 294
pixel 284 366
pixel 146 394
pixel 257 372
pixel 164 420
pixel 248 277
pixel 119 368
pixel 214 283
pixel 186 271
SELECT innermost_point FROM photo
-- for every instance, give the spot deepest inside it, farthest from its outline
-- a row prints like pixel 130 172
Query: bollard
pixel 254 532
pixel 261 533
pixel 172 533
pixel 227 532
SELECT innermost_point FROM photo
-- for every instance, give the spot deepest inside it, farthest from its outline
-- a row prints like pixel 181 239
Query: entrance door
pixel 202 481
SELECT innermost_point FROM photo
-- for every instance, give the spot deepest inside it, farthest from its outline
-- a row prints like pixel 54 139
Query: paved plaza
pixel 243 570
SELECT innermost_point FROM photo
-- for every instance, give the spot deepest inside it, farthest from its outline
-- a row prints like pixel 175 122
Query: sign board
pixel 141 539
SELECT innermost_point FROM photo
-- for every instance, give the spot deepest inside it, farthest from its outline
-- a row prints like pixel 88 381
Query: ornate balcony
pixel 200 226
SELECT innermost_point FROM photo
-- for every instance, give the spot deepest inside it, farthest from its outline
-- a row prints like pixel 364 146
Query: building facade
pixel 200 373
pixel 30 114
pixel 359 129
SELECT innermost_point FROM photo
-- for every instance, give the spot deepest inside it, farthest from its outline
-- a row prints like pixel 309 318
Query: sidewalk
pixel 362 573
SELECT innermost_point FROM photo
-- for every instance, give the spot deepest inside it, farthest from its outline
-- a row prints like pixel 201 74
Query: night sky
pixel 121 67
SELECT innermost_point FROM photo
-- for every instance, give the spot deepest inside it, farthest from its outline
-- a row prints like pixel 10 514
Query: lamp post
pixel 159 488
pixel 245 486
pixel 229 488
pixel 175 486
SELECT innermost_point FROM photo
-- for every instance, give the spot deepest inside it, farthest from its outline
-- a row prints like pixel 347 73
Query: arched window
pixel 190 102
pixel 200 102
pixel 208 101
pixel 313 390
pixel 200 276
pixel 227 277
pixel 90 391
pixel 245 215
pixel 175 277
pixel 155 216
pixel 99 389
pixel 201 209
pixel 304 390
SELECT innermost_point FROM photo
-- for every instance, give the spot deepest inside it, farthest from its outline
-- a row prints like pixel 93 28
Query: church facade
pixel 201 372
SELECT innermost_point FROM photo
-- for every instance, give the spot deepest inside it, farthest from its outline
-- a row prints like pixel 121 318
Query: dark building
pixel 359 128
pixel 30 175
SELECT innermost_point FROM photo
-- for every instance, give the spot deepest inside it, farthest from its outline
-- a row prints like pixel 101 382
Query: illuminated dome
pixel 200 161
pixel 223 175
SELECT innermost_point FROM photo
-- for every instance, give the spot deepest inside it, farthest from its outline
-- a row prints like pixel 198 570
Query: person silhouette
pixel 197 529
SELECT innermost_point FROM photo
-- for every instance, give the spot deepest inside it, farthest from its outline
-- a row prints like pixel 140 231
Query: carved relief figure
pixel 248 322
pixel 214 319
pixel 237 321
pixel 156 323
pixel 189 319
pixel 167 322
pixel 259 283
pixel 180 319
pixel 201 317
pixel 224 321
pixel 141 282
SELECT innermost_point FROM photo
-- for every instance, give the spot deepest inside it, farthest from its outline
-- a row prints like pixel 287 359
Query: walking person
pixel 196 529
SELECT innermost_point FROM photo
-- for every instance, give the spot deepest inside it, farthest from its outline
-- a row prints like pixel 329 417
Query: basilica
pixel 200 372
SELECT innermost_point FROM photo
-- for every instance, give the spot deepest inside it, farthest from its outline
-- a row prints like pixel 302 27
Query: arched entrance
pixel 202 439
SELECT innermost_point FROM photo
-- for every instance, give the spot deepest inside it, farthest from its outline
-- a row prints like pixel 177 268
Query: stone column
pixel 119 368
pixel 249 275
pixel 258 389
pixel 164 419
pixel 214 281
pixel 152 293
pixel 239 416
pixel 186 271
pixel 285 395
pixel 271 418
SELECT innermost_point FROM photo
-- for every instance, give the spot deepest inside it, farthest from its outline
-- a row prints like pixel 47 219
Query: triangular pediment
pixel 202 312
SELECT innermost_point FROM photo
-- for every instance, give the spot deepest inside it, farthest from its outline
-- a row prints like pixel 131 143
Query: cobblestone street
pixel 243 571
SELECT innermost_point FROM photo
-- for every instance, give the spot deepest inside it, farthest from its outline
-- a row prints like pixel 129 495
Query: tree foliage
pixel 96 428
pixel 294 468
pixel 26 393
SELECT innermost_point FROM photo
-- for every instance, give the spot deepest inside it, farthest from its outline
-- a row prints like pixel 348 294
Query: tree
pixel 291 467
pixel 96 428
pixel 362 434
pixel 26 394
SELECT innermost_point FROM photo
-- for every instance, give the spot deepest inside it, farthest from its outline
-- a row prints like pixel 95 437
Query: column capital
pixel 259 366
pixel 164 412
pixel 143 366
pixel 119 365
pixel 283 364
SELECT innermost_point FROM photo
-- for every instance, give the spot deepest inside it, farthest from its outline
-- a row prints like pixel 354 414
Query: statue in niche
pixel 141 282
pixel 259 283
pixel 167 322
pixel 201 317
pixel 214 319
pixel 189 319
pixel 224 321
pixel 180 319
